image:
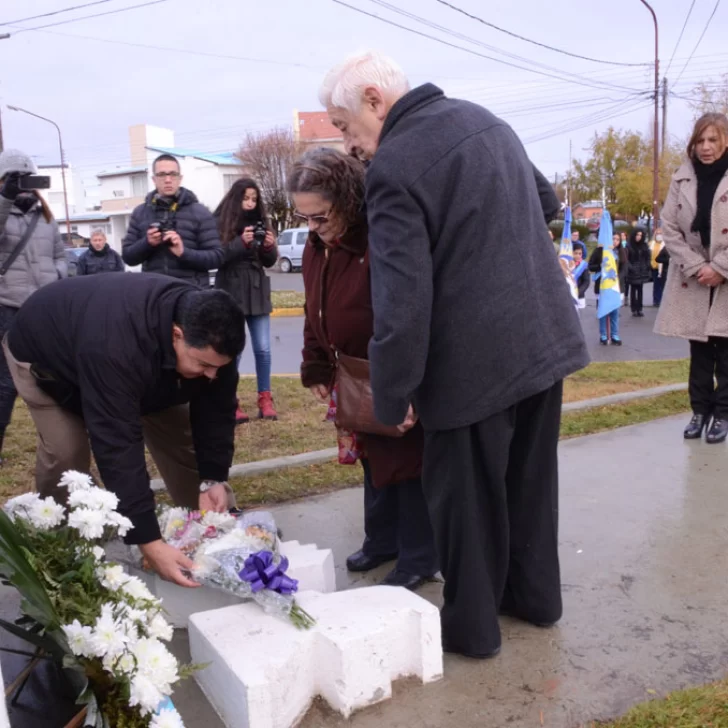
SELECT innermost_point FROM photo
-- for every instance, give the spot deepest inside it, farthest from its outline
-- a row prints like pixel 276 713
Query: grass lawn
pixel 301 428
pixel 288 299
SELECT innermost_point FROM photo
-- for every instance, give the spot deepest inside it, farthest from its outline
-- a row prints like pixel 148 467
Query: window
pixel 138 185
pixel 118 193
pixel 74 228
pixel 285 238
pixel 301 238
pixel 228 180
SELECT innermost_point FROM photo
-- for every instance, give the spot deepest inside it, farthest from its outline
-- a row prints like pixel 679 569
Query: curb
pixel 317 457
pixel 284 312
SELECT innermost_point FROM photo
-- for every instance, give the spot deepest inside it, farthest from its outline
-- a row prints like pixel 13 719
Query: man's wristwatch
pixel 207 484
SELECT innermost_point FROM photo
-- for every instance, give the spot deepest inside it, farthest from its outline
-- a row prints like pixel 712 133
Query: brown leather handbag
pixel 354 401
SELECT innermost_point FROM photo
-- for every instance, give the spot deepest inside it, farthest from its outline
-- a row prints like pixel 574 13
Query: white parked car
pixel 290 248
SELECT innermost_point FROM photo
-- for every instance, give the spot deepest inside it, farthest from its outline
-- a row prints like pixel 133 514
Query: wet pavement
pixel 644 536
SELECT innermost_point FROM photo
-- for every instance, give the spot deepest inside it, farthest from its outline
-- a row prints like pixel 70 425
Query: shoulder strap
pixel 21 245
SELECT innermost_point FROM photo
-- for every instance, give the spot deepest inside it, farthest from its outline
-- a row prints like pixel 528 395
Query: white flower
pixel 112 577
pixel 168 718
pixel 144 694
pixel 79 638
pixel 125 665
pixel 156 662
pixel 204 565
pixel 73 480
pixel 97 499
pixel 122 524
pixel 98 553
pixel 135 615
pixel 90 524
pixel 220 521
pixel 137 589
pixel 21 505
pixel 109 636
pixel 160 629
pixel 45 514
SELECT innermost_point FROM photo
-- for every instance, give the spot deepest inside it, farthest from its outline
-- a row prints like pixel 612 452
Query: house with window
pixel 313 129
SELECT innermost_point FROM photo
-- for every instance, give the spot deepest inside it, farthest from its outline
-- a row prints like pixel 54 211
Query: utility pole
pixel 568 181
pixel 656 132
pixel 664 115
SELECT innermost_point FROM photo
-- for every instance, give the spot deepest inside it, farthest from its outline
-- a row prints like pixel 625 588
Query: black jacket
pixel 663 258
pixel 471 314
pixel 106 260
pixel 595 265
pixel 242 276
pixel 639 270
pixel 104 345
pixel 195 225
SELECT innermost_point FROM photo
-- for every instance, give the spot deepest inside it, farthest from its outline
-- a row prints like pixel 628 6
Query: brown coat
pixel 339 304
pixel 686 311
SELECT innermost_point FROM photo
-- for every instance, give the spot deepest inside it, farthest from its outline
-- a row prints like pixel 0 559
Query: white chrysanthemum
pixel 90 524
pixel 121 523
pixel 45 514
pixel 137 589
pixel 168 718
pixel 135 615
pixel 109 637
pixel 112 577
pixel 97 499
pixel 220 521
pixel 156 662
pixel 160 629
pixel 204 566
pixel 98 553
pixel 73 480
pixel 21 505
pixel 79 639
pixel 144 694
pixel 125 665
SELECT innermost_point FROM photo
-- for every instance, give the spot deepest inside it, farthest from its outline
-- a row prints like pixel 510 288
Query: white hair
pixel 344 84
pixel 98 231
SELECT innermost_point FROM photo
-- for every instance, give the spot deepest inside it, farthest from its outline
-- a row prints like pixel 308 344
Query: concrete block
pixel 268 675
pixel 311 566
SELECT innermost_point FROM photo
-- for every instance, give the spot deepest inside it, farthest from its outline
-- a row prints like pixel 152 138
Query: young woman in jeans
pixel 240 213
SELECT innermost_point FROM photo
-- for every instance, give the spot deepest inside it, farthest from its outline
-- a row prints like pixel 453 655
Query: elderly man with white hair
pixel 474 332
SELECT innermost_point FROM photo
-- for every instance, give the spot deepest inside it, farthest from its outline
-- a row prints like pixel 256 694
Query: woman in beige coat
pixel 695 304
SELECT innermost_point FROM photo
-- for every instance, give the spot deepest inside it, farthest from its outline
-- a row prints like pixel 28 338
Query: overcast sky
pixel 95 78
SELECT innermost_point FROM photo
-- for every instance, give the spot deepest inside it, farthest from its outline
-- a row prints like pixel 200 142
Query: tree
pixel 710 97
pixel 268 158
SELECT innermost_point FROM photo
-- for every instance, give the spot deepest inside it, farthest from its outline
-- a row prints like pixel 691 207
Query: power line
pixel 466 50
pixel 702 35
pixel 57 12
pixel 535 42
pixel 677 45
pixel 95 15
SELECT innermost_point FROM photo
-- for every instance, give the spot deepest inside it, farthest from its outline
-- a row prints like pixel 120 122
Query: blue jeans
pixel 614 325
pixel 259 327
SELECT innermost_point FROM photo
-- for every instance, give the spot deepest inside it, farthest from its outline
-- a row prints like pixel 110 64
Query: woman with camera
pixel 250 246
pixel 328 191
pixel 31 254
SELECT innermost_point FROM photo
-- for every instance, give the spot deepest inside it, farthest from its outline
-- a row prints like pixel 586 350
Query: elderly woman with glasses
pixel 328 191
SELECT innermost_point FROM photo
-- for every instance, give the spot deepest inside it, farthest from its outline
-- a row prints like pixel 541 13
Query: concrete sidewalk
pixel 644 527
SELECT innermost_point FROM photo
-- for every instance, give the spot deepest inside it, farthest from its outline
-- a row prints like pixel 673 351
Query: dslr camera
pixel 164 226
pixel 259 234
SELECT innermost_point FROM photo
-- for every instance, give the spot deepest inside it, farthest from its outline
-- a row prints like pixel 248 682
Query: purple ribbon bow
pixel 262 573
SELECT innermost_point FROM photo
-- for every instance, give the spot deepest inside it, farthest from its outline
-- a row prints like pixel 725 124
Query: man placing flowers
pixel 112 363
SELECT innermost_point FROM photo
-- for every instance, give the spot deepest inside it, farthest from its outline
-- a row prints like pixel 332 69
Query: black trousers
pixel 492 491
pixel 635 300
pixel 396 521
pixel 8 393
pixel 708 362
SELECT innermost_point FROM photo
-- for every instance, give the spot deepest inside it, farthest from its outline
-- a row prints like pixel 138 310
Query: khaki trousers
pixel 63 442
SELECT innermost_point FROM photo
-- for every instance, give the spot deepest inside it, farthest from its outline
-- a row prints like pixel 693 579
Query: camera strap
pixel 20 247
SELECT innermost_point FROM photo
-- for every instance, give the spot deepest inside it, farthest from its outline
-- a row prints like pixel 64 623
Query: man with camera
pixel 172 233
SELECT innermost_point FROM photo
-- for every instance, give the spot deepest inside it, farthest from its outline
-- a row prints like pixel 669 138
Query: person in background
pixel 623 239
pixel 26 263
pixel 658 282
pixel 608 325
pixel 695 305
pixel 328 190
pixel 250 246
pixel 171 232
pixel 639 270
pixel 582 278
pixel 100 257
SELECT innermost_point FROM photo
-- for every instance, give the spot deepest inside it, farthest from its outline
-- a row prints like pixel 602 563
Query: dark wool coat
pixel 339 312
pixel 471 314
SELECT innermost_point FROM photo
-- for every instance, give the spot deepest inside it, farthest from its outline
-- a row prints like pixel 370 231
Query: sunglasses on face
pixel 318 219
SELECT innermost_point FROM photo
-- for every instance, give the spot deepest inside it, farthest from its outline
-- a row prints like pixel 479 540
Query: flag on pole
pixel 566 250
pixel 610 297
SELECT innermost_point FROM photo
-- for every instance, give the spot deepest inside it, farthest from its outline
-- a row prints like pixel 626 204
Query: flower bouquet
pixel 239 554
pixel 99 623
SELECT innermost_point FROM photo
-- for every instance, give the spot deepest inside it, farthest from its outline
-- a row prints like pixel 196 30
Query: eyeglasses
pixel 162 175
pixel 318 219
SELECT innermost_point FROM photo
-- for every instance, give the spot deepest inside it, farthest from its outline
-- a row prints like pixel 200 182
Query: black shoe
pixel 363 562
pixel 616 342
pixel 397 577
pixel 603 342
pixel 718 431
pixel 506 612
pixel 473 655
pixel 640 314
pixel 694 430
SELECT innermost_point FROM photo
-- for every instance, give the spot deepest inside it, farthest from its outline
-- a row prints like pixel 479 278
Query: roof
pixel 121 172
pixel 89 217
pixel 223 158
pixel 315 126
